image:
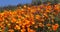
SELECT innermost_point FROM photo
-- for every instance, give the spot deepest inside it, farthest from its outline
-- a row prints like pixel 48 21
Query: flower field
pixel 41 18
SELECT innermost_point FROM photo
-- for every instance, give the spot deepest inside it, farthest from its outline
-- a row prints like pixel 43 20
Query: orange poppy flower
pixel 54 27
pixel 48 24
pixel 38 17
pixel 23 30
pixel 13 20
pixel 10 30
pixel 17 27
pixel 30 30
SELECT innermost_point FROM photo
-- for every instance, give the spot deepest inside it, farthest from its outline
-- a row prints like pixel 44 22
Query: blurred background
pixel 14 3
pixel 21 2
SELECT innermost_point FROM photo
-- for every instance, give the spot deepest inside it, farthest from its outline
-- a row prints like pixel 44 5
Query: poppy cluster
pixel 40 18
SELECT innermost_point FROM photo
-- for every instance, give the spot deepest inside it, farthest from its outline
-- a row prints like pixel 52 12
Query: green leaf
pixel 6 29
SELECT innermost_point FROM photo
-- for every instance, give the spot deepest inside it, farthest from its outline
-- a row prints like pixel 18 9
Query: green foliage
pixel 6 29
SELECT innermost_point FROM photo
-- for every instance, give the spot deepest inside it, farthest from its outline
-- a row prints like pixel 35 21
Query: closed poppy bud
pixel 24 6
